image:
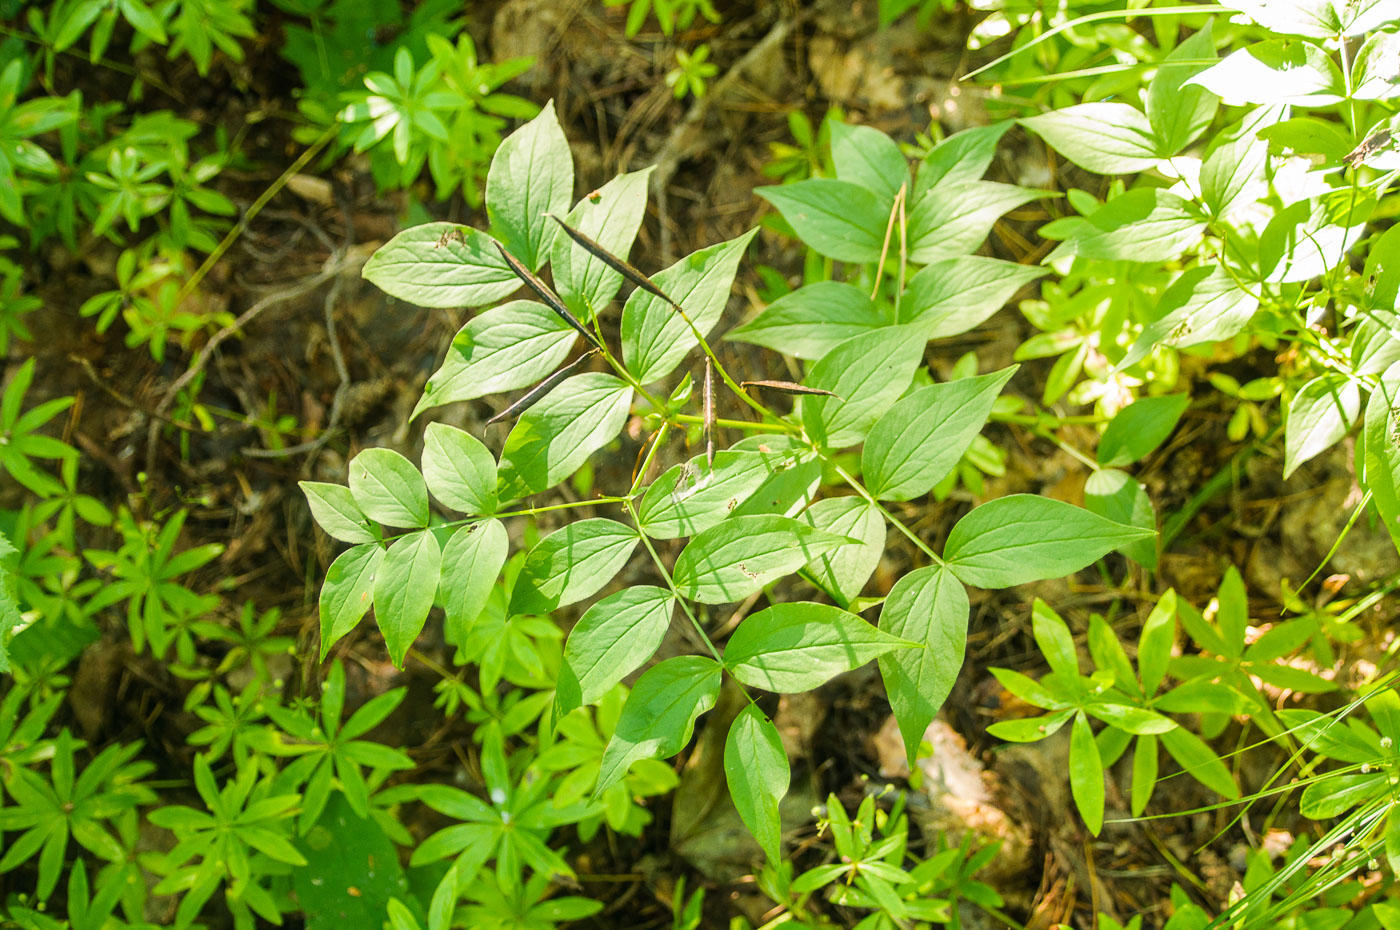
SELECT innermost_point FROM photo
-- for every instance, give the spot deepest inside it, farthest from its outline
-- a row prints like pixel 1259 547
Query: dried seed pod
pixel 789 387
pixel 533 396
pixel 547 295
pixel 709 413
pixel 620 265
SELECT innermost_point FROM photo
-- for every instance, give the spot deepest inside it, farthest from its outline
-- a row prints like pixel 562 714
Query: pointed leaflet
pixel 1143 225
pixel 610 641
pixel 1119 497
pixel 800 646
pixel 812 320
pixel 1381 451
pixel 795 473
pixel 927 606
pixel 757 772
pixel 511 346
pixel 694 496
pixel 611 220
pixel 838 219
pixel 741 555
pixel 345 595
pixel 963 156
pixel 843 571
pixel 867 373
pixel 570 564
pixel 471 563
pixel 459 470
pixel 955 218
pixel 441 265
pixel 1024 537
pixel 404 588
pixel 1139 428
pixel 659 716
pixel 552 439
pixel 388 488
pixel 336 512
pixel 1204 304
pixel 654 336
pixel 917 442
pixel 869 158
pixel 1318 416
pixel 1105 138
pixel 1086 774
pixel 531 174
pixel 1179 112
pixel 952 295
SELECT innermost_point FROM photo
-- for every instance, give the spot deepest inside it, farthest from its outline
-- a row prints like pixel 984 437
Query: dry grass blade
pixel 709 414
pixel 789 387
pixel 540 390
pixel 546 294
pixel 620 265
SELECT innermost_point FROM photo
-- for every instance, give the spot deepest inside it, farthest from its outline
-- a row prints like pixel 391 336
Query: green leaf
pixel 612 220
pixel 659 716
pixel 963 156
pixel 1381 451
pixel 610 641
pixel 1144 773
pixel 1318 416
pixel 930 607
pixel 1177 111
pixel 843 571
pixel 919 440
pixel 795 474
pixel 1196 758
pixel 1117 496
pixel 531 174
pixel 693 496
pixel 404 588
pixel 950 296
pixel 838 219
pixel 351 870
pixel 471 563
pixel 1053 638
pixel 1302 242
pixel 655 338
pixel 346 592
pixel 869 158
pixel 1024 537
pixel 756 769
pixel 1203 305
pixel 1156 641
pixel 800 646
pixel 1086 774
pixel 954 218
pixel 553 438
pixel 1374 74
pixel 1143 225
pixel 388 488
pixel 1139 428
pixel 509 347
pixel 1276 71
pixel 867 373
pixel 1105 138
pixel 572 563
pixel 1232 174
pixel 1319 19
pixel 336 512
pixel 811 321
pixel 441 265
pixel 735 558
pixel 459 470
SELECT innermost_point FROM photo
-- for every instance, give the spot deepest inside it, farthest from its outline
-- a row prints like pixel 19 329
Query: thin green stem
pixel 859 488
pixel 748 426
pixel 671 585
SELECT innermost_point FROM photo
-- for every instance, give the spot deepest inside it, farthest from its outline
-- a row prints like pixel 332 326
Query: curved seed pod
pixel 620 265
pixel 789 387
pixel 533 396
pixel 546 294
